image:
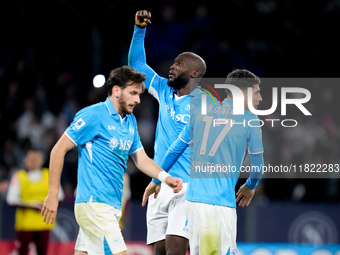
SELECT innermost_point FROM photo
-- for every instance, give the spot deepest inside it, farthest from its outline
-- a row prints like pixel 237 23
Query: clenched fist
pixel 142 18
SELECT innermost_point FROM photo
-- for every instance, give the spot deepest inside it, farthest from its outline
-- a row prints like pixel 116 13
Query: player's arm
pixel 137 56
pixel 176 149
pixel 255 147
pixel 256 170
pixel 49 209
pixel 150 168
pixel 247 191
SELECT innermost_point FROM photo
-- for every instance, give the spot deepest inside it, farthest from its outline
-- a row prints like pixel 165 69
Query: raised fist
pixel 142 18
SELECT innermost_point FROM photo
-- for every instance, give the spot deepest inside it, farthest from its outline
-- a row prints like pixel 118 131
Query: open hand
pixel 244 195
pixel 149 190
pixel 49 209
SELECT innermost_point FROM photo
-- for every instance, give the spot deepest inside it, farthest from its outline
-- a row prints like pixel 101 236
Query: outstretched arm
pixel 49 209
pixel 137 56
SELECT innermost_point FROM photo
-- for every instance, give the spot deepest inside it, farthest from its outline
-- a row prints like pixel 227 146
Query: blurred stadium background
pixel 51 50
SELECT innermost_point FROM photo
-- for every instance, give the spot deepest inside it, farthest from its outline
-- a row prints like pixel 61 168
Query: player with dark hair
pixel 166 219
pixel 219 141
pixel 106 134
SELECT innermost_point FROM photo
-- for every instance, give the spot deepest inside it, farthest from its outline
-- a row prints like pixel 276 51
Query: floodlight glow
pixel 98 80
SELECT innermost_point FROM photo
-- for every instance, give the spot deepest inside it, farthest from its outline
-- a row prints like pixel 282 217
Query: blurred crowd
pixel 51 52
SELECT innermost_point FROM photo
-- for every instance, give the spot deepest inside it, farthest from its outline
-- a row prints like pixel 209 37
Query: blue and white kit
pixel 218 140
pixel 166 214
pixel 104 140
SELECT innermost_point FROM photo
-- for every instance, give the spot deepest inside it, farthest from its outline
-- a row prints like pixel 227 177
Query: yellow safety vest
pixel 27 219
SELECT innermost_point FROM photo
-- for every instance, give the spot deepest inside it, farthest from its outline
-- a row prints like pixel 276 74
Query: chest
pixel 33 189
pixel 117 134
pixel 176 110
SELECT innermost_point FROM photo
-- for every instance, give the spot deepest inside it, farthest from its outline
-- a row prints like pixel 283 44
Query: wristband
pixel 162 176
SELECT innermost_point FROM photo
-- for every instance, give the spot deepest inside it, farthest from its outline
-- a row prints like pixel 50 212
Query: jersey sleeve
pixel 137 144
pixel 185 134
pixel 175 150
pixel 255 139
pixel 256 170
pixel 84 127
pixel 137 60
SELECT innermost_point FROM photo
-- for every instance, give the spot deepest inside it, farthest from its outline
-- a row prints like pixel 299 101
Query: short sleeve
pixel 255 145
pixel 84 126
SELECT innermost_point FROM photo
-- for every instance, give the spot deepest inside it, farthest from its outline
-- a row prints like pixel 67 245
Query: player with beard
pixel 106 134
pixel 166 219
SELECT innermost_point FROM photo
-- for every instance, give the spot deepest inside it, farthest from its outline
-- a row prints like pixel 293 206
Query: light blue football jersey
pixel 219 141
pixel 104 140
pixel 174 112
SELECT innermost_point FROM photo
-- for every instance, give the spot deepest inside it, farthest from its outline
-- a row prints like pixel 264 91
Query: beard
pixel 124 105
pixel 179 82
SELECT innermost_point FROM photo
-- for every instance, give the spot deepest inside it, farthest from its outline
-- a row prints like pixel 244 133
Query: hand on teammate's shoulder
pixel 142 18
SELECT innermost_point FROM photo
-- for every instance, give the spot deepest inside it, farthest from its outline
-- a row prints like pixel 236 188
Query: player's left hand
pixel 149 190
pixel 49 209
pixel 244 195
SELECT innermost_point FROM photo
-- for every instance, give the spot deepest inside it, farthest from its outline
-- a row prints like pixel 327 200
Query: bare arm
pixel 145 164
pixel 49 209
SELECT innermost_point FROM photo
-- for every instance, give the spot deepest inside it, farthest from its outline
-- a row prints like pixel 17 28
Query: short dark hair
pixel 242 78
pixel 121 76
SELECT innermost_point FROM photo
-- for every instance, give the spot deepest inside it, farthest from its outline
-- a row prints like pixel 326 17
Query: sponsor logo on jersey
pixel 184 118
pixel 123 144
pixel 113 143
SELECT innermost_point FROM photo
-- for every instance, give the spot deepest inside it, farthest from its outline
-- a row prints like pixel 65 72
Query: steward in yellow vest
pixel 27 191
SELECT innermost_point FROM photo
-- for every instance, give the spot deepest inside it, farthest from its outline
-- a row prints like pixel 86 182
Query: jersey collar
pixel 110 107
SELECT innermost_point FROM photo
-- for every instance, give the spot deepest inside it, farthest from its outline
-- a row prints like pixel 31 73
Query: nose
pixel 137 99
pixel 173 66
pixel 260 98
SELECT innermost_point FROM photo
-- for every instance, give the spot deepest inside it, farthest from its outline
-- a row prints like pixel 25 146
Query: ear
pixel 194 74
pixel 116 91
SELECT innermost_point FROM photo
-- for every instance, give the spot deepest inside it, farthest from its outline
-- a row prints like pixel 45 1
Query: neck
pixel 116 105
pixel 194 82
pixel 184 91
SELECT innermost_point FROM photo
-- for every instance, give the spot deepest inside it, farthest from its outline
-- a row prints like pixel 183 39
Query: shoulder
pixel 131 117
pixel 91 112
pixel 250 116
pixel 92 108
pixel 45 170
pixel 20 174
